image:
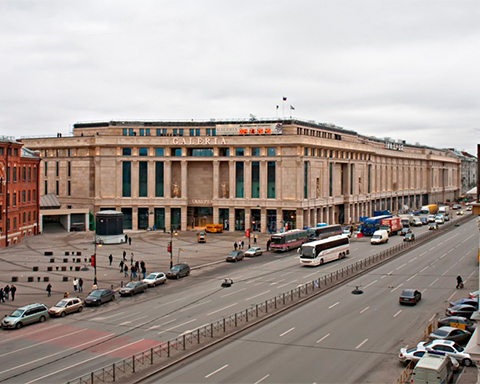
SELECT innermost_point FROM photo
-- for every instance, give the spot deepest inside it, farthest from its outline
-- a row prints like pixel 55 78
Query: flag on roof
pixel 292 108
pixel 284 98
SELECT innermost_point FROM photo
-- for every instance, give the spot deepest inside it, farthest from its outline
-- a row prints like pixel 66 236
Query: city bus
pixel 319 233
pixel 288 240
pixel 322 251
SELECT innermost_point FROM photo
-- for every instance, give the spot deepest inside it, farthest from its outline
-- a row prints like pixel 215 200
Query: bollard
pixel 56 267
pixel 46 278
pixel 38 279
pixel 71 268
pixel 35 269
pixel 30 279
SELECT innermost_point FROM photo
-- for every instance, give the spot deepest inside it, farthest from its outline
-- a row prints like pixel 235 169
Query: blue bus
pixel 370 225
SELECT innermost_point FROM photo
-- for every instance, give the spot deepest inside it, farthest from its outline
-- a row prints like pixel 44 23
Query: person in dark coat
pixel 459 282
pixel 13 290
pixel 129 241
pixel 110 258
pixel 121 266
pixel 125 270
pixel 268 244
pixel 7 291
pixel 235 245
pixel 2 295
pixel 49 290
pixel 124 255
pixel 80 285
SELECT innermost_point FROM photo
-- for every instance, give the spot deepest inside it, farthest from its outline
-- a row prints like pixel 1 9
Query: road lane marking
pixel 285 274
pixel 323 338
pixel 263 378
pixel 134 320
pixel 401 266
pixel 158 326
pixel 433 282
pixel 83 361
pixel 179 325
pixel 398 286
pixel 54 354
pixel 194 306
pixel 396 314
pixel 277 282
pixel 43 342
pixel 415 258
pixel 232 293
pixel 333 305
pixel 363 342
pixel 311 274
pixel 221 309
pixel 106 317
pixel 260 294
pixel 214 372
pixel 423 269
pixel 422 254
pixel 431 318
pixel 410 278
pixel 373 282
pixel 364 309
pixel 284 333
pixel 431 249
pixel 27 334
pixel 170 302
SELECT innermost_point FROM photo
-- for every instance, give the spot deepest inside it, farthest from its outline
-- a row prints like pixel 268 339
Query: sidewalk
pixel 150 246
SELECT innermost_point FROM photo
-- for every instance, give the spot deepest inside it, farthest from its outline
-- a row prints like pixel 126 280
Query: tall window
pixel 255 179
pixel 126 151
pixel 46 187
pixel 56 168
pixel 69 188
pixel 255 151
pixel 69 169
pixel 159 187
pixel 142 151
pixel 126 179
pixel 271 179
pixel 56 187
pixel 330 180
pixel 305 179
pixel 239 179
pixel 142 179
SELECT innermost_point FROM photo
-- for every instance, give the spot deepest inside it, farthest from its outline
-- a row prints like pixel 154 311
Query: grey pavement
pixel 150 246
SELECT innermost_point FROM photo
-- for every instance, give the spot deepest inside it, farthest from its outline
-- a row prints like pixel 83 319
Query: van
pixel 379 237
pixel 432 369
pixel 28 314
pixel 214 228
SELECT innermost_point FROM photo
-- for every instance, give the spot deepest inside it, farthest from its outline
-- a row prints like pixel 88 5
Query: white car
pixel 450 348
pixel 431 218
pixel 439 219
pixel 155 278
pixel 415 354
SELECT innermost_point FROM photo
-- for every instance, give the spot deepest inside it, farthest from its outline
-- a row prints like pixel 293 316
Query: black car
pixel 100 296
pixel 235 255
pixel 404 231
pixel 457 322
pixel 461 310
pixel 409 237
pixel 410 296
pixel 178 270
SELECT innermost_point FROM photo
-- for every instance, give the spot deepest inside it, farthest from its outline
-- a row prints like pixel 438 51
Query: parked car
pixel 456 206
pixel 439 219
pixel 409 237
pixel 410 296
pixel 415 354
pixel 178 270
pixel 461 310
pixel 66 306
pixel 254 251
pixel 132 288
pixel 432 226
pixel 155 278
pixel 473 294
pixel 473 302
pixel 460 213
pixel 457 322
pixel 469 208
pixel 235 255
pixel 99 297
pixel 460 336
pixel 28 314
pixel 450 348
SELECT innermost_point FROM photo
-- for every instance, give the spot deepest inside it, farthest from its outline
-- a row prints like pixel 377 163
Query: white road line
pixel 433 282
pixel 423 269
pixel 363 342
pixel 260 294
pixel 263 378
pixel 162 305
pixel 232 293
pixel 285 274
pixel 433 317
pixel 158 326
pixel 323 338
pixel 410 278
pixel 27 334
pixel 415 258
pixel 401 266
pixel 194 306
pixel 422 254
pixel 396 314
pixel 284 333
pixel 289 283
pixel 373 282
pixel 132 321
pixel 431 249
pixel 106 317
pixel 179 325
pixel 83 361
pixel 333 305
pixel 43 342
pixel 277 282
pixel 398 286
pixel 364 309
pixel 214 372
pixel 311 274
pixel 221 309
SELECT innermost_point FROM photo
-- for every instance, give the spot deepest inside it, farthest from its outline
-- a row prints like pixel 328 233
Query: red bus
pixel 288 240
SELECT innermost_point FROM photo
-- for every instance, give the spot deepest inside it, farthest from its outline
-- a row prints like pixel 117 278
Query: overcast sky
pixel 388 68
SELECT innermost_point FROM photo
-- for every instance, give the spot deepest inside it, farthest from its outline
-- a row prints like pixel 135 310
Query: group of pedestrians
pixel 7 292
pixel 135 268
pixel 238 245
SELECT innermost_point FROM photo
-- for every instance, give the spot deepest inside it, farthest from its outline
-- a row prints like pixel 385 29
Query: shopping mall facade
pixel 264 174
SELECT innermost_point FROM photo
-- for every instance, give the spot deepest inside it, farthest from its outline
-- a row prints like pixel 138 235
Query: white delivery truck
pixel 432 369
pixel 445 211
pixel 379 237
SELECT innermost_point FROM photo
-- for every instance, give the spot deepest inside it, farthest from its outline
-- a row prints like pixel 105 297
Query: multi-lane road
pixel 338 330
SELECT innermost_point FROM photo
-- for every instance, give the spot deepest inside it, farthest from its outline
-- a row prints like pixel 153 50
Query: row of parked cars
pixel 34 313
pixel 238 254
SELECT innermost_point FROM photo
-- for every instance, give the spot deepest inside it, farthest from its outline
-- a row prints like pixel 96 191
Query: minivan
pixel 379 237
pixel 432 369
pixel 178 270
pixel 28 314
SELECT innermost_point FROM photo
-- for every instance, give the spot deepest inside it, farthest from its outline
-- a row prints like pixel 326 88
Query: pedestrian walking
pixel 268 244
pixel 2 295
pixel 75 284
pixel 129 241
pixel 110 258
pixel 125 270
pixel 80 285
pixel 126 238
pixel 13 290
pixel 49 290
pixel 131 258
pixel 65 295
pixel 254 239
pixel 239 244
pixel 144 270
pixel 243 244
pixel 137 266
pixel 235 245
pixel 459 282
pixel 7 291
pixel 124 255
pixel 134 272
pixel 121 266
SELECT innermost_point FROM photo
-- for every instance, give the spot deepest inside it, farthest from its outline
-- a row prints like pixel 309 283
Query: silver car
pixel 133 288
pixel 254 251
pixel 450 348
pixel 155 278
pixel 28 314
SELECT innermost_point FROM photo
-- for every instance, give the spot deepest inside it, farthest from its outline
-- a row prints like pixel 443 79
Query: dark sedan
pixel 100 296
pixel 235 256
pixel 178 270
pixel 461 310
pixel 409 237
pixel 457 322
pixel 473 302
pixel 133 288
pixel 450 333
pixel 410 296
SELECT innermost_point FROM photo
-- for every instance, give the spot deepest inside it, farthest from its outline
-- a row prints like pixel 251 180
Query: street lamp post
pixel 172 233
pixel 95 281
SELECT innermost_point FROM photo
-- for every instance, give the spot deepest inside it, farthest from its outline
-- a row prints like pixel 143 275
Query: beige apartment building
pixel 262 174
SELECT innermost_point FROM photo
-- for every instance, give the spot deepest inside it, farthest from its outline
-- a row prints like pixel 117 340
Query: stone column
pixel 168 218
pixel 263 180
pixel 299 223
pixel 231 219
pixel 134 178
pixel 184 179
pixel 280 223
pixel 151 180
pixel 247 181
pixel 183 215
pixel 167 186
pixel 216 183
pixel 263 219
pixel 232 187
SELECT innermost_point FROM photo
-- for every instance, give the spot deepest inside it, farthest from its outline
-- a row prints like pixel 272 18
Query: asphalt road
pixel 345 338
pixel 62 349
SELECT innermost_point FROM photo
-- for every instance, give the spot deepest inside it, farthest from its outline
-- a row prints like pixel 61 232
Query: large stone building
pixel 264 174
pixel 468 170
pixel 19 192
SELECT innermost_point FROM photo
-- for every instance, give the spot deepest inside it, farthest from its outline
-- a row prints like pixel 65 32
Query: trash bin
pixel 67 253
pixel 52 260
pixel 65 278
pixel 30 279
pixel 14 279
pixel 46 278
pixel 49 269
pixel 35 269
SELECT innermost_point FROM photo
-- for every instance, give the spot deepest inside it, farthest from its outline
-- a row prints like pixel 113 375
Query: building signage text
pixel 249 129
pixel 198 140
pixel 393 146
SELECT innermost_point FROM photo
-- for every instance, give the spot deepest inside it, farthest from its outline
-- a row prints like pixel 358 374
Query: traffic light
pixel 247 233
pixel 92 260
pixel 169 247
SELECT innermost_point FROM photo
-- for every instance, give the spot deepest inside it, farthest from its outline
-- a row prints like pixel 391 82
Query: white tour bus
pixel 322 251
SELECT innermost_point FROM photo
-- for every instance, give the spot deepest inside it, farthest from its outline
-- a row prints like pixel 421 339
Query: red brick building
pixel 19 192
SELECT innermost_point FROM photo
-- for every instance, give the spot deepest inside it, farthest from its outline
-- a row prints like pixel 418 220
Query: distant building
pixel 268 174
pixel 19 191
pixel 468 170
